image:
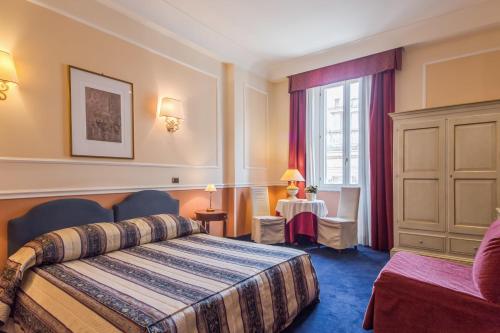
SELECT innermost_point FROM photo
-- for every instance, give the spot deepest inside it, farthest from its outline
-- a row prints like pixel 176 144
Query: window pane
pixel 334 101
pixel 354 135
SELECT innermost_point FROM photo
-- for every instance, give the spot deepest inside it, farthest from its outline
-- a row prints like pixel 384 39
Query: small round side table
pixel 217 215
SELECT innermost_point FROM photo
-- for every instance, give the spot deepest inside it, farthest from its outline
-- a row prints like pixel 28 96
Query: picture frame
pixel 101 115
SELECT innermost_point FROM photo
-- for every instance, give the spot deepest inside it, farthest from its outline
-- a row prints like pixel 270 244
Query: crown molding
pixel 469 19
pixel 74 10
pixel 93 23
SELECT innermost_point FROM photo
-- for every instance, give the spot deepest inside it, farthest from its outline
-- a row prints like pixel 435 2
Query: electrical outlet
pixel 175 180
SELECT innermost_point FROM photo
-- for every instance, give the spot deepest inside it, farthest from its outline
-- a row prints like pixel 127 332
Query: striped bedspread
pixel 189 283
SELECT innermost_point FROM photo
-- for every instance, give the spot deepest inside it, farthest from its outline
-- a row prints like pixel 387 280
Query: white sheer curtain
pixel 312 138
pixel 364 214
pixel 313 127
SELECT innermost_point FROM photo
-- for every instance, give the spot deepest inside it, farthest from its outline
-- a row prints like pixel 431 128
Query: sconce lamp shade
pixel 210 188
pixel 292 175
pixel 171 107
pixel 7 68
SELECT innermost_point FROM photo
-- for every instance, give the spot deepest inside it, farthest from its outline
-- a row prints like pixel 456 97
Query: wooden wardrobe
pixel 446 186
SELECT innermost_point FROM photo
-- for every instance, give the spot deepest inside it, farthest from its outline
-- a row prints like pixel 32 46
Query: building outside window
pixel 339 134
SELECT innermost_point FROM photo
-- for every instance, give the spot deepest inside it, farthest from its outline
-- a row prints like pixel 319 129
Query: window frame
pixel 346 134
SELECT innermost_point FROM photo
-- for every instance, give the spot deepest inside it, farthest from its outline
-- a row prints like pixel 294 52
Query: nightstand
pixel 206 217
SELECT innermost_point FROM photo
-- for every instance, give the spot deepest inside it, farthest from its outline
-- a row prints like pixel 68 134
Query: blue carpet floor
pixel 345 281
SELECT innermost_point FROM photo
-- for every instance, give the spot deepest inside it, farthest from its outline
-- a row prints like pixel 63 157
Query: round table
pixel 301 217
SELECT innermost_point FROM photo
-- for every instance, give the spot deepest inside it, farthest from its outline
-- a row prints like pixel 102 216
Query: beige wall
pixel 251 109
pixel 247 145
pixel 463 69
pixel 236 127
pixel 35 118
pixel 226 110
pixel 226 116
pixel 279 122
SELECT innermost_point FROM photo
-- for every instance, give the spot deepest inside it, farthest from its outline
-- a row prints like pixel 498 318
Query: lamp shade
pixel 292 175
pixel 171 107
pixel 210 188
pixel 7 68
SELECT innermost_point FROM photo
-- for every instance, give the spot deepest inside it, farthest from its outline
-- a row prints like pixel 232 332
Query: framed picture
pixel 102 115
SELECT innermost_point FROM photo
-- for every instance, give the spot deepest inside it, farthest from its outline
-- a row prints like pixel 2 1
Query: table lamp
pixel 292 176
pixel 210 189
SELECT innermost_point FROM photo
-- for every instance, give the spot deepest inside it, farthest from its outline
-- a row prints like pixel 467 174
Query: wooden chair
pixel 266 228
pixel 341 232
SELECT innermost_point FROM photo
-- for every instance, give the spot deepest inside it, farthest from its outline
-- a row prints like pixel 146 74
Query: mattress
pixel 155 274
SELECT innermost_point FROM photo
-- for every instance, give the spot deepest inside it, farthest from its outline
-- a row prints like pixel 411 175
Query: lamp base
pixel 172 124
pixel 292 192
pixel 210 210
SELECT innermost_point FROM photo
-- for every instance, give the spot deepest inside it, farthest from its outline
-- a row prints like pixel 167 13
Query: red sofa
pixel 420 294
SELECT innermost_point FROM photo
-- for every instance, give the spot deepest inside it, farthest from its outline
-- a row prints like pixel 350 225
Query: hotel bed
pixel 152 271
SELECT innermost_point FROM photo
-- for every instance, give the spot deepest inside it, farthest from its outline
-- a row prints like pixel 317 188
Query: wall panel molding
pixel 31 160
pixel 56 192
pixel 246 164
pixel 216 144
pixel 459 56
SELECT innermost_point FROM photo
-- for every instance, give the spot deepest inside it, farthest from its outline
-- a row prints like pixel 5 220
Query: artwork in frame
pixel 102 115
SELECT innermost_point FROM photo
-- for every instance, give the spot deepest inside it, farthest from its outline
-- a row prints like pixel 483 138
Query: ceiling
pixel 257 33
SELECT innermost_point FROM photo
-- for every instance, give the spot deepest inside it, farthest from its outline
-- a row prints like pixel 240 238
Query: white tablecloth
pixel 290 208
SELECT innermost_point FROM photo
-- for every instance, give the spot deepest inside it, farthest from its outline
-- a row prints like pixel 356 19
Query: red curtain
pixel 352 69
pixel 382 66
pixel 381 105
pixel 297 141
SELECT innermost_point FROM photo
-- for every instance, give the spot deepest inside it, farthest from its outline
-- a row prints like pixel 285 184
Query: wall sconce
pixel 171 109
pixel 8 74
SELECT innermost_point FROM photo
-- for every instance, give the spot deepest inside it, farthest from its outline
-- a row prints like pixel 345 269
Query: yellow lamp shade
pixel 171 107
pixel 211 188
pixel 292 175
pixel 7 68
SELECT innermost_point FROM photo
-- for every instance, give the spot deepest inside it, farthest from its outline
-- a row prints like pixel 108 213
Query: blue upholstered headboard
pixel 65 213
pixel 53 215
pixel 145 203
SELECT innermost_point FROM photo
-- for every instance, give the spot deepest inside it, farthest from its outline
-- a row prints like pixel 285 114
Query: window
pixel 340 121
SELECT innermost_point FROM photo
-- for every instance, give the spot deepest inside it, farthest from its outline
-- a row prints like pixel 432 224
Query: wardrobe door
pixel 473 169
pixel 420 175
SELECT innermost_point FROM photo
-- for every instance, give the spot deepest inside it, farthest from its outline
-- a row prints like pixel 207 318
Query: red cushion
pixel 486 269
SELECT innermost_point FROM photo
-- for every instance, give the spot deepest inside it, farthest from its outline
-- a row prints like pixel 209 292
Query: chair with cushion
pixel 414 293
pixel 266 229
pixel 341 232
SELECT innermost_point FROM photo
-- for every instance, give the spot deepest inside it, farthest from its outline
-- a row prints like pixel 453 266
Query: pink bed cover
pixel 420 294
